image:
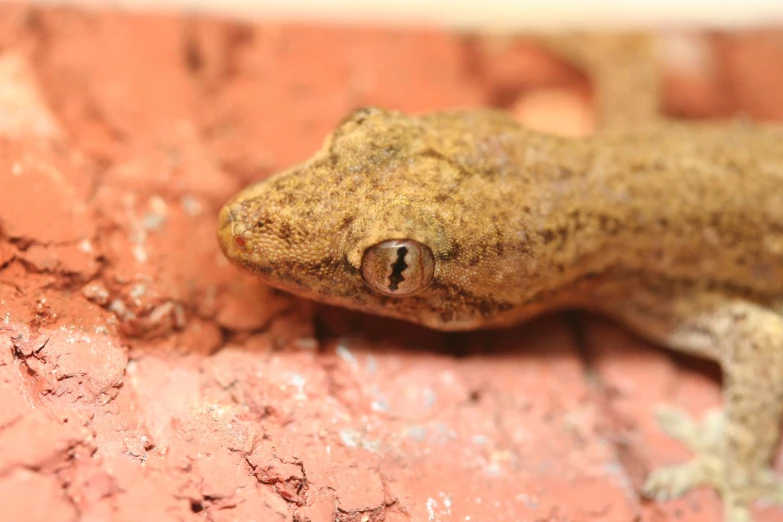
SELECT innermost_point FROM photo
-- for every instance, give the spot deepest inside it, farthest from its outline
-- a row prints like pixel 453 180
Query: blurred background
pixel 486 14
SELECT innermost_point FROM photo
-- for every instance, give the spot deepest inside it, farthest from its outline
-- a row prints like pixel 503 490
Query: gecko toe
pixel 699 438
pixel 736 512
pixel 673 481
pixel 703 440
pixel 708 467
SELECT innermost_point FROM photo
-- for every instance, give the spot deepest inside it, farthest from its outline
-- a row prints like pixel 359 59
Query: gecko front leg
pixel 732 452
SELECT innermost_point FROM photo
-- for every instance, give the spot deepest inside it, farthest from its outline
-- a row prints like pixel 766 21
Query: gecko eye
pixel 398 267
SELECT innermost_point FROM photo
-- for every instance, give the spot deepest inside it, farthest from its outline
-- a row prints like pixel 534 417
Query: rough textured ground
pixel 143 378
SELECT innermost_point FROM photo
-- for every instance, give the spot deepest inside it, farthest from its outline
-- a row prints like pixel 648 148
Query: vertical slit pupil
pixel 398 267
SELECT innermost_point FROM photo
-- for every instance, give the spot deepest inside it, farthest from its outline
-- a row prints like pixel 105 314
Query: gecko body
pixel 465 219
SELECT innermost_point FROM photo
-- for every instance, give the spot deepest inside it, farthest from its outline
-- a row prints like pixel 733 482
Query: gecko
pixel 466 219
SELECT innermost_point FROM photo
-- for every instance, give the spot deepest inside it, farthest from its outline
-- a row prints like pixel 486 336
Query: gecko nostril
pixel 230 229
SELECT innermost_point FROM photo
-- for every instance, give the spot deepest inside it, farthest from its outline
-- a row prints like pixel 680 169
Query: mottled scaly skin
pixel 676 230
pixel 515 218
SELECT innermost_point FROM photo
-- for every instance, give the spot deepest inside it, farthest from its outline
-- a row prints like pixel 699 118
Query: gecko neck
pixel 673 201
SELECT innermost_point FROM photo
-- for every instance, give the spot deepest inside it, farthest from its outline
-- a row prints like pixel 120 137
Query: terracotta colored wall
pixel 143 378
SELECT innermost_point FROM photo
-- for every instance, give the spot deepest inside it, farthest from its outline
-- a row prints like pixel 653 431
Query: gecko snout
pixel 231 239
pixel 225 218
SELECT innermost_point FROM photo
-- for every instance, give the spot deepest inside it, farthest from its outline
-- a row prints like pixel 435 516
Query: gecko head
pixel 374 221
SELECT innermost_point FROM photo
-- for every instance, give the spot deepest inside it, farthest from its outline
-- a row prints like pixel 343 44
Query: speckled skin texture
pixel 674 229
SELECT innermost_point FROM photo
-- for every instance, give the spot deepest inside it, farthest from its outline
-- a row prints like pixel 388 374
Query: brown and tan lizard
pixel 465 219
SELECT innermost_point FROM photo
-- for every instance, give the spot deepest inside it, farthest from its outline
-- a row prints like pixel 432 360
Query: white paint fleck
pixel 479 439
pixel 306 343
pixel 372 365
pixel 349 438
pixel 530 503
pixel 138 291
pixel 430 397
pixel 418 433
pixel 380 406
pixel 431 504
pixel 191 205
pixel 298 381
pixel 154 221
pixel 85 246
pixel 446 501
pixel 140 254
pixel 345 354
